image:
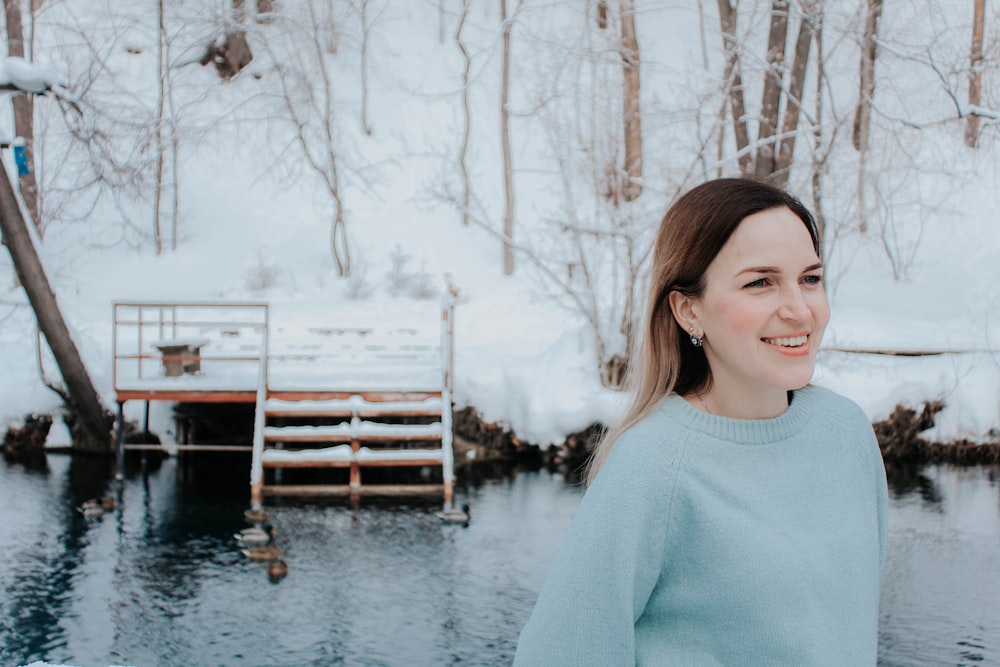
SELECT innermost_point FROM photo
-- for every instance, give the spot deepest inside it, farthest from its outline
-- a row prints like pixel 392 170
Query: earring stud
pixel 696 340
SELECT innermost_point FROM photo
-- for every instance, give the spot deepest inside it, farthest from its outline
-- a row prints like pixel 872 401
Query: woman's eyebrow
pixel 774 269
pixel 760 269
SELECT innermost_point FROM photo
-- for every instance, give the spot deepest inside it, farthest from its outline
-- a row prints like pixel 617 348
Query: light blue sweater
pixel 714 541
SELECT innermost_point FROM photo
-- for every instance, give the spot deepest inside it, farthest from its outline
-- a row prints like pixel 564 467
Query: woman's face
pixel 762 314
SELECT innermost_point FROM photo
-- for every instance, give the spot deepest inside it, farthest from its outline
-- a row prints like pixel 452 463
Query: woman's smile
pixel 792 346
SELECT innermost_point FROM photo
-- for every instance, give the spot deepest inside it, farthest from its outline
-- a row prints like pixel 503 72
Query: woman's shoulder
pixel 653 439
pixel 834 406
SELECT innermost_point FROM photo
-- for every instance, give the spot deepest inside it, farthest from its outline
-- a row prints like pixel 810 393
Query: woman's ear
pixel 684 310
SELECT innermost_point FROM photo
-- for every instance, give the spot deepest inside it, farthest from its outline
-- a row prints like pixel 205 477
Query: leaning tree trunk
pixel 95 422
pixel 23 116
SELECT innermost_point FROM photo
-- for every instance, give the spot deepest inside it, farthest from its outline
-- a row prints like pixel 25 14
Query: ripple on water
pixel 162 581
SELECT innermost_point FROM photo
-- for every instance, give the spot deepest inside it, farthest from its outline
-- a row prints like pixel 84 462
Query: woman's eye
pixel 812 280
pixel 760 282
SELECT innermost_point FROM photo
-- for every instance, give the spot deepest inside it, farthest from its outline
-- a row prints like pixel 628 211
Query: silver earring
pixel 695 338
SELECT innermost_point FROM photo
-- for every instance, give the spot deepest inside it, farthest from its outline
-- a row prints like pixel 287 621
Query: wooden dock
pixel 328 398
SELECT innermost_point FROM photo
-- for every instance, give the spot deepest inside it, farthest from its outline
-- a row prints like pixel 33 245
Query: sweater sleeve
pixel 882 498
pixel 609 562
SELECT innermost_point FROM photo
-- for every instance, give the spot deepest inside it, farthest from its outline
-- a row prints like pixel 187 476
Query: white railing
pixel 256 461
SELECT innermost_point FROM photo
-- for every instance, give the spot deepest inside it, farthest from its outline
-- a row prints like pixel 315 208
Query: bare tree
pixel 819 153
pixel 363 10
pixel 866 75
pixel 24 117
pixel 862 114
pixel 163 68
pixel 466 111
pixel 508 167
pixel 632 115
pixel 794 96
pixel 733 80
pixel 975 74
pixel 91 422
pixel 764 163
pixel 307 96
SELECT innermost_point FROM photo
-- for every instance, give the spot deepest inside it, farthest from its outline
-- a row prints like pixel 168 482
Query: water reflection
pixel 906 478
pixel 161 580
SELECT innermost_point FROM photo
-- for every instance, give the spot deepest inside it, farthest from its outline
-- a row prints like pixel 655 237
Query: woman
pixel 737 515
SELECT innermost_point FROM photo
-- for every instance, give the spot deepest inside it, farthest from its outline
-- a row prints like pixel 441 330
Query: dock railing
pixel 154 342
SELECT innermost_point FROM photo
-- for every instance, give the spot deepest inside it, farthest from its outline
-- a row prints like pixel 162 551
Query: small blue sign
pixel 21 158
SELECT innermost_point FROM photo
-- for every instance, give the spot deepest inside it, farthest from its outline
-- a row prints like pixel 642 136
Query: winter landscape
pixel 373 153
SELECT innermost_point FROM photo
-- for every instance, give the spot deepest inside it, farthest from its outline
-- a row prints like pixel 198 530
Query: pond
pixel 161 580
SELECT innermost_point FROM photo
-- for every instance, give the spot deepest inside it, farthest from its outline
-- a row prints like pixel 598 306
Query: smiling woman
pixel 736 515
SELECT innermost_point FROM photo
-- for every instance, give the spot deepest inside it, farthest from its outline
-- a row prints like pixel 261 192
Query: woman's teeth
pixel 788 342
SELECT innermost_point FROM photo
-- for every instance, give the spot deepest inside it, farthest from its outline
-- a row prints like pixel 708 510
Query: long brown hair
pixel 693 231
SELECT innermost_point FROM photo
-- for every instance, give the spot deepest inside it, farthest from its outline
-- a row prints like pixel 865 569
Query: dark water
pixel 161 582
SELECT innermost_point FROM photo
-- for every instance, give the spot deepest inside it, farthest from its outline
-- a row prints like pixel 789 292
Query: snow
pixel 254 226
pixel 356 429
pixel 32 77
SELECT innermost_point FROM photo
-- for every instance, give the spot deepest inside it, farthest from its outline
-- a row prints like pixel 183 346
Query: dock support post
pixel 120 441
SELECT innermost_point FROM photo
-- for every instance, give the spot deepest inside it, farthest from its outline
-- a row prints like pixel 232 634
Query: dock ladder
pixel 385 404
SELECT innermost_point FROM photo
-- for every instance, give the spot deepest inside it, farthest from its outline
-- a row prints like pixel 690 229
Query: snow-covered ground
pixel 254 225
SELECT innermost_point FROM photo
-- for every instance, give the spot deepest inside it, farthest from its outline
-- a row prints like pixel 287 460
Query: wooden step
pixel 342 456
pixel 355 406
pixel 385 490
pixel 357 429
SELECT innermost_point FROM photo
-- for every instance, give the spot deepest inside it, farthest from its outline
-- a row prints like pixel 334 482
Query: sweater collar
pixel 746 431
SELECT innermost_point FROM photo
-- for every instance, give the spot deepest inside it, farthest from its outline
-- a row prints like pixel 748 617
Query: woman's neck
pixel 740 406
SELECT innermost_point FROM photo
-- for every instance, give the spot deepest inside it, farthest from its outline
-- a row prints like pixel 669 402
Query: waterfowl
pixel 452 515
pixel 97 506
pixel 255 515
pixel 256 536
pixel 269 552
pixel 277 569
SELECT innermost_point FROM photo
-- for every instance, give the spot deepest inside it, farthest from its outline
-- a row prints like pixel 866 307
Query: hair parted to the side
pixel 693 231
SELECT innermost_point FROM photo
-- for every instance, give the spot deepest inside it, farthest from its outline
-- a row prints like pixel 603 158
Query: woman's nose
pixel 794 306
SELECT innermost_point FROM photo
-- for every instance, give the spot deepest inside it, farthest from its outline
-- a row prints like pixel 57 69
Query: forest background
pixel 348 160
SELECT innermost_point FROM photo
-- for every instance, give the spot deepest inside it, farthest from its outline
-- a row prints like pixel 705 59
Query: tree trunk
pixel 508 169
pixel 23 116
pixel 866 76
pixel 633 124
pixel 975 75
pixel 770 100
pixel 466 113
pixel 733 79
pixel 818 162
pixel 862 115
pixel 365 125
pixel 793 99
pixel 83 397
pixel 161 64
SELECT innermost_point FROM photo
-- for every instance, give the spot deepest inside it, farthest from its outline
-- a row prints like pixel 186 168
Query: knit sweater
pixel 713 541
